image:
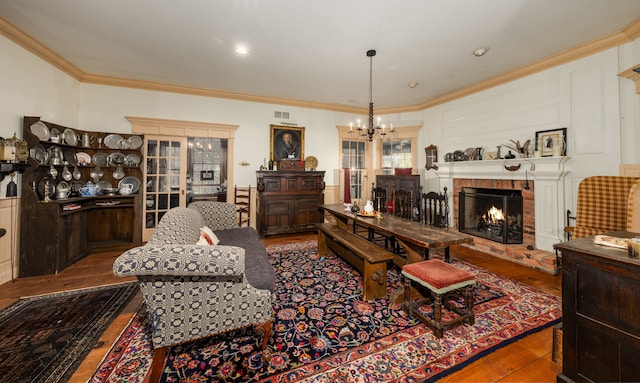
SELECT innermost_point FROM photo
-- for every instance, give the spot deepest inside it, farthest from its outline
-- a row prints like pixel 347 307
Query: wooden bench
pixel 367 257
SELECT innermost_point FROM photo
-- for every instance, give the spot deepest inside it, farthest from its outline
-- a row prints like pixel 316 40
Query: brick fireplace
pixel 543 206
pixel 526 252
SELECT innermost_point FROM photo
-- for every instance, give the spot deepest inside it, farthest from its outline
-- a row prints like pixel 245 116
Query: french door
pixel 165 179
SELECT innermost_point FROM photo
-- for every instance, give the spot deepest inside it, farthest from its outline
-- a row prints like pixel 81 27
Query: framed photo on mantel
pixel 287 142
pixel 551 142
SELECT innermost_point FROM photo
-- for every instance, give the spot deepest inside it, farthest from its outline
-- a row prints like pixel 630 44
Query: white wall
pixel 29 87
pixel 629 105
pixel 585 96
pixel 600 110
pixel 103 108
pixel 32 87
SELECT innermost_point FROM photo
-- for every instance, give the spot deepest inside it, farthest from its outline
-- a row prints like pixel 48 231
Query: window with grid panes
pixel 396 154
pixel 353 157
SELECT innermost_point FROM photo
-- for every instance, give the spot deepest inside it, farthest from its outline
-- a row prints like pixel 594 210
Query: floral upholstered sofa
pixel 194 291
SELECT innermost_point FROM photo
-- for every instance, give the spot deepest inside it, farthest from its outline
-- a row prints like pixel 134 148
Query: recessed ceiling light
pixel 479 52
pixel 242 50
pixel 413 84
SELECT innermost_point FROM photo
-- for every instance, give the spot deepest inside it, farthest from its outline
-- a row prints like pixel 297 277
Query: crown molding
pixel 627 34
pixel 631 32
pixel 27 42
pixel 633 29
pixel 172 88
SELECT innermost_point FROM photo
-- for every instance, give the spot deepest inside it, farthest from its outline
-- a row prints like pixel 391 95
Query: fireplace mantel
pixel 548 173
pixel 544 167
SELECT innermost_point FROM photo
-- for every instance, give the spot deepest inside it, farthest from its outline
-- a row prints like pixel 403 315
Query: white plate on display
pixel 70 137
pixel 113 141
pixel 135 142
pixel 84 159
pixel 135 181
pixel 40 130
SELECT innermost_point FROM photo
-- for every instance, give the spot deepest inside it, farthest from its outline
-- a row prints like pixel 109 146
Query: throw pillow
pixel 207 237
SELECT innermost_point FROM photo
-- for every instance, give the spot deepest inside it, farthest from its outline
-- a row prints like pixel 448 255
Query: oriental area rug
pixel 45 338
pixel 325 332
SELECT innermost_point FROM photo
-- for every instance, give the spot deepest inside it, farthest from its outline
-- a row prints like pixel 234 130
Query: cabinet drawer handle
pixel 2 232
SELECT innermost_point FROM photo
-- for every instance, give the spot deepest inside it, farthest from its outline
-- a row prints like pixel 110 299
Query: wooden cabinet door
pixel 74 237
pixel 277 216
pixel 307 213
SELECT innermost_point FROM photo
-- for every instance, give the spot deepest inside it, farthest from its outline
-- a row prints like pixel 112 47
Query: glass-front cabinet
pixel 165 179
pixel 181 170
pixel 184 161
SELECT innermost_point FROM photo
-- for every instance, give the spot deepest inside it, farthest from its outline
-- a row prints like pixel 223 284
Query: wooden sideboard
pixel 288 201
pixel 600 312
pixel 54 233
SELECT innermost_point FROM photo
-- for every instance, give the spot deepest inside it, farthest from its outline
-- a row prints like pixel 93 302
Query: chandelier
pixel 371 129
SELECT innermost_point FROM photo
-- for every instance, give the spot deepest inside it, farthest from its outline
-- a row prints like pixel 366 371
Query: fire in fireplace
pixel 494 214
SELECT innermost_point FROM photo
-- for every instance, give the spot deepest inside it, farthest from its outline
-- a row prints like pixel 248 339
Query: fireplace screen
pixel 494 214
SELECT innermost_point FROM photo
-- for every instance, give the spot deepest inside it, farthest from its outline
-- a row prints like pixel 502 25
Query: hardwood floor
pixel 526 360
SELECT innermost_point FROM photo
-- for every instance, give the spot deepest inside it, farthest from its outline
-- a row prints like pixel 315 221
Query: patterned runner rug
pixel 325 332
pixel 45 338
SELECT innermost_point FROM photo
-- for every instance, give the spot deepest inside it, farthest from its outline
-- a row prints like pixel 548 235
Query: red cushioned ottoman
pixel 440 278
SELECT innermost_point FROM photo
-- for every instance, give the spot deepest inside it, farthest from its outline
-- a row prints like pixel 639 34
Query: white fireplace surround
pixel 548 175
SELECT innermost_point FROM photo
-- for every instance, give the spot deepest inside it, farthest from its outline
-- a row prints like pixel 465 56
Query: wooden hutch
pixel 56 232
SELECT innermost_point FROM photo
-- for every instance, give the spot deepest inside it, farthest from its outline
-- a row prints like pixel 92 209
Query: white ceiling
pixel 315 50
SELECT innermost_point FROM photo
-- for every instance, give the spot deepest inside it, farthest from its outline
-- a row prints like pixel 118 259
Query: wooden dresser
pixel 288 201
pixel 601 312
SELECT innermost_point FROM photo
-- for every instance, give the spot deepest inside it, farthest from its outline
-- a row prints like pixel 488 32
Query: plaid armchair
pixel 605 204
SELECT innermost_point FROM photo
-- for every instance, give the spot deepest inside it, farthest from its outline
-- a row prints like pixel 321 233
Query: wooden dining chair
pixel 242 200
pixel 403 206
pixel 434 208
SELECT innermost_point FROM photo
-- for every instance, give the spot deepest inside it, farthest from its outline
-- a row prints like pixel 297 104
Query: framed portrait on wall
pixel 552 142
pixel 287 142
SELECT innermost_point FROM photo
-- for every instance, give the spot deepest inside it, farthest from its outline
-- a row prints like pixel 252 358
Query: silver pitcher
pixel 87 140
